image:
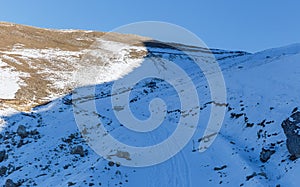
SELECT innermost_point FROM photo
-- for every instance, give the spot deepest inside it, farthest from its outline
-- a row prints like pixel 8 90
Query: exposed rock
pixel 10 183
pixel 118 164
pixel 295 110
pixel 220 168
pixel 71 183
pixel 2 155
pixel 21 131
pixel 78 150
pixel 34 132
pixel 254 174
pixel 265 154
pixel 291 130
pixel 251 176
pixel 121 154
pixel 20 144
pixel 3 170
pixel 110 163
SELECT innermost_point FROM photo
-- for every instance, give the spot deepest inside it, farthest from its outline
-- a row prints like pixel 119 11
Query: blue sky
pixel 251 25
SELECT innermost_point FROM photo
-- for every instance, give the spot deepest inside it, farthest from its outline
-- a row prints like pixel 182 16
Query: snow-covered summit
pixel 285 50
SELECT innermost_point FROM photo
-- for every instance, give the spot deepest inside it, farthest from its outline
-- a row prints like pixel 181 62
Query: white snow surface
pixel 261 86
pixel 9 81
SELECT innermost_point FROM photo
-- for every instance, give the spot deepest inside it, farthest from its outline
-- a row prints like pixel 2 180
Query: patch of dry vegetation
pixel 39 84
pixel 37 87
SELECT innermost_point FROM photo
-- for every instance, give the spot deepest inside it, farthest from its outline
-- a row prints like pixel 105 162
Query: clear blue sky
pixel 250 25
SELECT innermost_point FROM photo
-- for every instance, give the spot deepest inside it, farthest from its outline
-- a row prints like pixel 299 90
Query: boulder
pixel 2 155
pixel 21 131
pixel 78 150
pixel 291 128
pixel 10 183
pixel 3 170
pixel 265 154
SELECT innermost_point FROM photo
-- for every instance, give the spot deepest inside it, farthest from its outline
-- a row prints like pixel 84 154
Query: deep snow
pixel 262 88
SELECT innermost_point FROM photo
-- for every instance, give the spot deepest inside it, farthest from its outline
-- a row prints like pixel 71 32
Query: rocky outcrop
pixel 2 155
pixel 10 183
pixel 266 154
pixel 21 131
pixel 3 170
pixel 78 150
pixel 291 127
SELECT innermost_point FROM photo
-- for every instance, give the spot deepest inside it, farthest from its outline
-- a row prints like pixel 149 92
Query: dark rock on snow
pixel 78 150
pixel 265 154
pixel 10 183
pixel 21 131
pixel 3 170
pixel 291 127
pixel 2 155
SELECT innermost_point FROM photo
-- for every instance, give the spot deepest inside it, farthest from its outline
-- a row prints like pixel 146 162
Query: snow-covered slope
pixel 42 146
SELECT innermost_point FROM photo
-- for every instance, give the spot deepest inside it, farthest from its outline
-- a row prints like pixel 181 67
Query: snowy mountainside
pixel 41 144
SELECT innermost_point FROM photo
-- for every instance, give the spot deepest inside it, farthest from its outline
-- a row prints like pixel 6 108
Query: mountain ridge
pixel 28 50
